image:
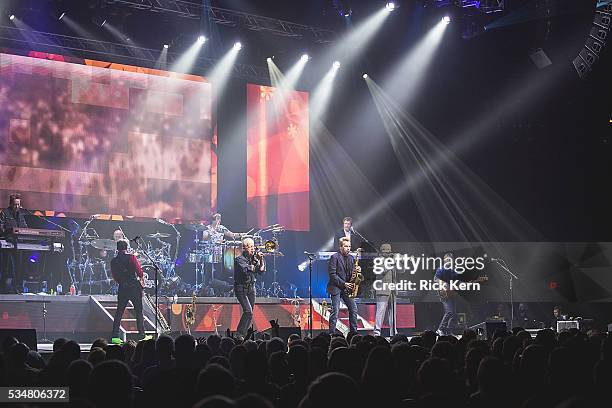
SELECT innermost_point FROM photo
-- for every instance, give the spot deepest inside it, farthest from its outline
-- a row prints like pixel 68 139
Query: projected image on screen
pixel 277 158
pixel 97 137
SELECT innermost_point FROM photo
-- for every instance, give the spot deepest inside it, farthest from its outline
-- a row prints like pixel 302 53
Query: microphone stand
pixel 365 239
pixel 47 220
pixel 310 258
pixel 511 276
pixel 157 271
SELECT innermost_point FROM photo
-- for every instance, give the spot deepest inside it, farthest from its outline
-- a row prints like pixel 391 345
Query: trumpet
pixel 268 246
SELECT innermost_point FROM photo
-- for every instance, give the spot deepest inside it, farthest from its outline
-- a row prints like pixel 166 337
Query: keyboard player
pixel 10 260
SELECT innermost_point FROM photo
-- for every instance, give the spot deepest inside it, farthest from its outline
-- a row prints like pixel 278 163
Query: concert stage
pixel 85 318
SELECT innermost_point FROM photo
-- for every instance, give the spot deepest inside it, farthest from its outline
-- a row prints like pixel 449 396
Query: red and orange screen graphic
pixel 96 137
pixel 277 158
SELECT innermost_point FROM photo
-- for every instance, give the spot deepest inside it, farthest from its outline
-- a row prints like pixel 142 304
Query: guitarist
pixel 447 296
pixel 127 272
pixel 340 269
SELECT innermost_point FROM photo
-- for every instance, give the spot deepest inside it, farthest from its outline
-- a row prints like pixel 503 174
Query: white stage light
pixel 305 57
pixel 336 64
pixel 62 15
pixel 237 45
pixel 166 46
pixel 365 76
pixel 201 39
pixel 12 17
pixel 390 6
pixel 269 59
pixel 446 20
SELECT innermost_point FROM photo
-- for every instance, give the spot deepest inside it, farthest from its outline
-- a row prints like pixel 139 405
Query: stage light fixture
pixel 336 64
pixel 237 45
pixel 166 46
pixel 365 76
pixel 103 22
pixel 446 20
pixel 12 17
pixel 269 59
pixel 62 15
pixel 201 39
pixel 305 57
pixel 390 6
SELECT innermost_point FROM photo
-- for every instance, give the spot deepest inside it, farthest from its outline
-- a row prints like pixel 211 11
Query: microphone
pixel 135 239
pixel 352 229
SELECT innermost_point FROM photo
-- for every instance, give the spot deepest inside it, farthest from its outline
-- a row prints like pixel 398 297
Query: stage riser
pixel 80 317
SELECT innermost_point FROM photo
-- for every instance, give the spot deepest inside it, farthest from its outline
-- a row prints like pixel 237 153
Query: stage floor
pixel 87 317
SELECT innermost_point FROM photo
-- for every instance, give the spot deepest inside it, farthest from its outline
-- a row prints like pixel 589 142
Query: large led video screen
pixel 277 158
pixel 84 137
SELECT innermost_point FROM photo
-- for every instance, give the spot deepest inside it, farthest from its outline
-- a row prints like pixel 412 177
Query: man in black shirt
pixel 246 267
pixel 11 217
pixel 348 231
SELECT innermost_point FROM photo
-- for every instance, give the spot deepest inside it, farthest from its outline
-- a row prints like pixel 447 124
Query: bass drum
pixel 148 272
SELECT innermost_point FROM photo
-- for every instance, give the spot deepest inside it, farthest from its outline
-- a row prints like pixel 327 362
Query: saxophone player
pixel 340 269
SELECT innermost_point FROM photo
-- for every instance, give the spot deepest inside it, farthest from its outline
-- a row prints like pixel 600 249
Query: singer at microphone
pixel 348 232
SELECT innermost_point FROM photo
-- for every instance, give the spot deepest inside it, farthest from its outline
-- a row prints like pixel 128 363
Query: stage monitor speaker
pixel 26 336
pixel 485 330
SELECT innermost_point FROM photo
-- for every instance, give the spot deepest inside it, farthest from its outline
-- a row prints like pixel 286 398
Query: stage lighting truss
pixel 231 18
pixel 103 50
pixel 483 6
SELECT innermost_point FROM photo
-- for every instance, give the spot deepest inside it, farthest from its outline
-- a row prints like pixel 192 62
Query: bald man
pixel 246 268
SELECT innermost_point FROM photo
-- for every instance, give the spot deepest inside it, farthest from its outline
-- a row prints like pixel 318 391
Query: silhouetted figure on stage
pixel 126 271
pixel 10 259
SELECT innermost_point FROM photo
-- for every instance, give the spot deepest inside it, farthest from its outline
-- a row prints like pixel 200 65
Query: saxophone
pixel 356 277
pixel 190 312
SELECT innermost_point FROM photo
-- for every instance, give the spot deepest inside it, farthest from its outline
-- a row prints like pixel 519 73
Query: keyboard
pixel 325 255
pixel 36 232
pixel 52 247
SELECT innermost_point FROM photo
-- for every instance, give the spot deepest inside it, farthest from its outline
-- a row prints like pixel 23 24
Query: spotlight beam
pixel 455 204
pixel 321 95
pixel 188 59
pixel 414 66
pixel 222 70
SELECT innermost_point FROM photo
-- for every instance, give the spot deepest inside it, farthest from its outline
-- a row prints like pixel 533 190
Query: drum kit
pixel 89 267
pixel 216 250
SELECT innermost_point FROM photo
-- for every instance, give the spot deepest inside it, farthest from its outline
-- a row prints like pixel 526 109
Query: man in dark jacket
pixel 127 272
pixel 340 268
pixel 246 268
pixel 10 260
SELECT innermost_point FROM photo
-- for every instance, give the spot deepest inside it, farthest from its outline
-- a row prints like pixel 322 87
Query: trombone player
pixel 246 268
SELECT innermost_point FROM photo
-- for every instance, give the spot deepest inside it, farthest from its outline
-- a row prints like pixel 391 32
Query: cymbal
pixel 195 227
pixel 158 235
pixel 107 244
